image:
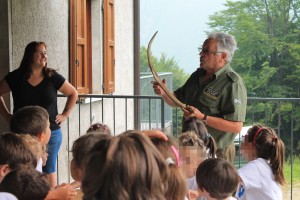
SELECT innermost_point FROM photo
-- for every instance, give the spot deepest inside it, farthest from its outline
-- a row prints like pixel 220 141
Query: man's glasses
pixel 207 51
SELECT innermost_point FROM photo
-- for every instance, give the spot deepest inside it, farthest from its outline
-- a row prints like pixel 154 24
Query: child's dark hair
pixel 25 183
pixel 218 177
pixel 14 152
pixel 127 166
pixel 270 147
pixel 29 119
pixel 176 183
pixel 99 128
pixel 194 124
pixel 83 145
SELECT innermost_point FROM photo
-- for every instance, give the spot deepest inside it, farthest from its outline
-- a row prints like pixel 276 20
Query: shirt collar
pixel 218 73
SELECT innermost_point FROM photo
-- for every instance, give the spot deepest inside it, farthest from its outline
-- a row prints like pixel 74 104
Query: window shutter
pixel 109 48
pixel 80 59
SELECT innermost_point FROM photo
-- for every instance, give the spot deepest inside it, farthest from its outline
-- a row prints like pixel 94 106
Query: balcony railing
pixel 124 112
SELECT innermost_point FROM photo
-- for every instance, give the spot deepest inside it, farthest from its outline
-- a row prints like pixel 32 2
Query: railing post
pixel 162 113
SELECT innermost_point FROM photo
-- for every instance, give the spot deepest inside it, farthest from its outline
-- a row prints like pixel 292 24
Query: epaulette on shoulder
pixel 233 76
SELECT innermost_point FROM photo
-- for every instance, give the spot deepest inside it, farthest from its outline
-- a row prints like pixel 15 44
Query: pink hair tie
pixel 175 151
pixel 254 139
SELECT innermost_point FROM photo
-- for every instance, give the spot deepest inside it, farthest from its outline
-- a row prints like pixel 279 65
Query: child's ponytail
pixel 277 160
pixel 210 145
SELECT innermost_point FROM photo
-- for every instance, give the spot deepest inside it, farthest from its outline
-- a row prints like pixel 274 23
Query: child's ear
pixel 4 169
pixel 40 136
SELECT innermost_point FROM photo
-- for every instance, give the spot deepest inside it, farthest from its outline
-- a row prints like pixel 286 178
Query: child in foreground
pixel 176 183
pixel 13 153
pixel 217 179
pixel 80 150
pixel 262 177
pixel 192 152
pixel 34 120
pixel 127 166
pixel 26 183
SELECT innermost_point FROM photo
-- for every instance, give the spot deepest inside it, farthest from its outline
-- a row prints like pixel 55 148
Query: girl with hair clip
pixel 176 183
pixel 261 178
pixel 193 124
pixel 127 166
pixel 192 152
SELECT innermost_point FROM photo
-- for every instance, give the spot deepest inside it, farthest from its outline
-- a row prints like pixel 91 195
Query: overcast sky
pixel 181 26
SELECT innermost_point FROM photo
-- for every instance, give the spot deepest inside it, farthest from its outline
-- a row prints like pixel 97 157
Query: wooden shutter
pixel 109 48
pixel 80 57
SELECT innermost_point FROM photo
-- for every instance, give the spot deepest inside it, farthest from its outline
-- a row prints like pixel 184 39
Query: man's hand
pixel 191 111
pixel 157 89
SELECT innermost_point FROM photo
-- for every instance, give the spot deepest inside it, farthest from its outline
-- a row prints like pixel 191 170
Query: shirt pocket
pixel 210 98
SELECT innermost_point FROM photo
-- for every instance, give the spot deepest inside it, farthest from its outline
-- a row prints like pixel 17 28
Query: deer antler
pixel 160 83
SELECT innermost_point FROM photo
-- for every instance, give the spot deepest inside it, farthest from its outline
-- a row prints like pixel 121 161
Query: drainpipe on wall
pixel 136 18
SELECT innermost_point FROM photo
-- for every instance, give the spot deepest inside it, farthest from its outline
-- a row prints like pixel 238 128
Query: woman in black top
pixel 33 83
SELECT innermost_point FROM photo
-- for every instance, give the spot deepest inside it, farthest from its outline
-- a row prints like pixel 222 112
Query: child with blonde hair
pixel 194 124
pixel 192 152
pixel 35 147
pixel 261 178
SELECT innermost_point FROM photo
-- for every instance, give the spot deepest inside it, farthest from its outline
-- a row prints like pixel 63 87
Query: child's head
pixel 32 143
pixel 176 182
pixel 80 150
pixel 127 166
pixel 192 151
pixel 194 124
pixel 33 120
pixel 26 182
pixel 216 178
pixel 270 147
pixel 98 128
pixel 13 152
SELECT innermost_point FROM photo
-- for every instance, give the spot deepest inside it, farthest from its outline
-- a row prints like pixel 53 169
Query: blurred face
pixel 247 149
pixel 40 57
pixel 210 59
pixel 46 134
pixel 190 158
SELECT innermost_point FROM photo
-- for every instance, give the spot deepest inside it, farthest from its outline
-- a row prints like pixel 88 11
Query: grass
pixel 296 170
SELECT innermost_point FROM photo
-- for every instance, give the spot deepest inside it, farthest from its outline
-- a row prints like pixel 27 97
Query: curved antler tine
pixel 160 83
pixel 149 54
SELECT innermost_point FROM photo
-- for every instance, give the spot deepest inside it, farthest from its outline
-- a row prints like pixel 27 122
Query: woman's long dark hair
pixel 27 60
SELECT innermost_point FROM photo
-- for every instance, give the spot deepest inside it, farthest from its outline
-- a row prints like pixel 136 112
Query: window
pixel 82 76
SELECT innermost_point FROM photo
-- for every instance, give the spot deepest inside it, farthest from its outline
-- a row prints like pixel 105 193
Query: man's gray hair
pixel 225 43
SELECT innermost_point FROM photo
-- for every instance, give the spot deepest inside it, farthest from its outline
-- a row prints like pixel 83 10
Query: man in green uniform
pixel 215 93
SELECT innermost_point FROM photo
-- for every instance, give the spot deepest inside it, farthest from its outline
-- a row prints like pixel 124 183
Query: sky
pixel 181 26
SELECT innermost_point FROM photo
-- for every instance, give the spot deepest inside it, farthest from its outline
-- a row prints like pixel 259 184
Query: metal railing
pixel 136 111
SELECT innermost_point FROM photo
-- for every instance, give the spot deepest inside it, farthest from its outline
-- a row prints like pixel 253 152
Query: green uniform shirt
pixel 223 96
